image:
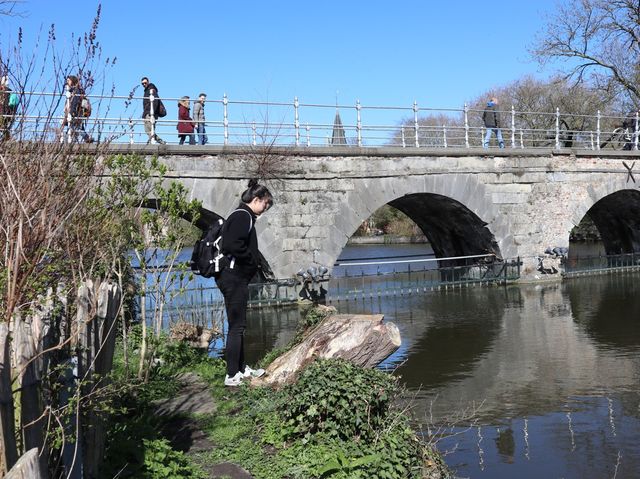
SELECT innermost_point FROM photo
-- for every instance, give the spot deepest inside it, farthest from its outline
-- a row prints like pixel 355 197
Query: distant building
pixel 338 137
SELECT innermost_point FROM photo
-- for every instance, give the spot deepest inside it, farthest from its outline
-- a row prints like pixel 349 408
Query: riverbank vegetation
pixel 336 421
pixel 388 220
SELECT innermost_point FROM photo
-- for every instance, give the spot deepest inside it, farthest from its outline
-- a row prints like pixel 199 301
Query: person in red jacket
pixel 185 123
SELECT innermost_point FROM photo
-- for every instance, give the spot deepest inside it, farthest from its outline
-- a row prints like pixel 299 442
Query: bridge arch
pixel 455 212
pixel 613 207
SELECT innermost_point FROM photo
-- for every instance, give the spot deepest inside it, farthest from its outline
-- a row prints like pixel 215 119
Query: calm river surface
pixel 530 381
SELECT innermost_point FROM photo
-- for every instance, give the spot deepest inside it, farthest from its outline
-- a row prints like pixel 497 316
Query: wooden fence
pixel 34 345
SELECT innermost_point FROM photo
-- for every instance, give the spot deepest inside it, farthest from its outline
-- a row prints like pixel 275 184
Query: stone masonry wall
pixel 529 200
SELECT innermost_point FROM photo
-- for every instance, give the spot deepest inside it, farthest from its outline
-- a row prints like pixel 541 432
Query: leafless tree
pixel 601 40
pixel 433 131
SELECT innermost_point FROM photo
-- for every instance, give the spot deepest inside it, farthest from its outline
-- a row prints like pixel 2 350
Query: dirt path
pixel 183 431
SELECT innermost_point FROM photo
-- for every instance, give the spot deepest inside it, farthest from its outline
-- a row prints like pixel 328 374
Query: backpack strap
pixel 250 217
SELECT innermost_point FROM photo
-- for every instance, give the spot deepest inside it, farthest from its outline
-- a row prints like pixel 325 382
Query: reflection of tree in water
pixel 462 326
pixel 608 309
pixel 506 445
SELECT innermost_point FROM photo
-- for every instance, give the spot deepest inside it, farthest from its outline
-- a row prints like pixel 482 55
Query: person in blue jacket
pixel 491 119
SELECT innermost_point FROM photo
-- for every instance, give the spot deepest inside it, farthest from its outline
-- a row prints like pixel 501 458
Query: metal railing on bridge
pixel 295 123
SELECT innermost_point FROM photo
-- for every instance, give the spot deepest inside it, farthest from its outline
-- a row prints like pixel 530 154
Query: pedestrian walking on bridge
pixel 198 118
pixel 151 111
pixel 491 119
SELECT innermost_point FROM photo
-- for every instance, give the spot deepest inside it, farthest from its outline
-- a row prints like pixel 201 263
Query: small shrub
pixel 338 399
pixel 178 354
pixel 313 316
pixel 163 462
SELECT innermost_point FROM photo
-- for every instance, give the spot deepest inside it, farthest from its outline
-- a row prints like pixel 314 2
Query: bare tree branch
pixel 601 40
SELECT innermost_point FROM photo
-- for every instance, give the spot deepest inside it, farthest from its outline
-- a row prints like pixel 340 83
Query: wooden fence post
pixel 96 345
pixel 31 418
pixel 8 447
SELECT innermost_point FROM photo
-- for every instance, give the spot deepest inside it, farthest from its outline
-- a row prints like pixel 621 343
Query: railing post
pixel 68 117
pixel 359 122
pixel 635 141
pixel 415 123
pixel 253 133
pixel 444 135
pixel 130 131
pixel 225 118
pixel 296 121
pixel 404 143
pixel 598 130
pixel 521 139
pixel 152 117
pixel 513 126
pixel 466 125
pixel 308 135
pixel 557 128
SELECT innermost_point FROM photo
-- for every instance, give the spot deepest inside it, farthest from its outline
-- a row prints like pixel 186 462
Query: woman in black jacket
pixel 240 246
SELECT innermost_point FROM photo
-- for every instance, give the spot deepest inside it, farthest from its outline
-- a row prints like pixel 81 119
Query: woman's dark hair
pixel 74 80
pixel 255 190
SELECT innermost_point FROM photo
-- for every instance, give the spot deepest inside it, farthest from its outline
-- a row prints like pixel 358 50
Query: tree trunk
pixel 362 339
pixel 8 447
pixel 27 467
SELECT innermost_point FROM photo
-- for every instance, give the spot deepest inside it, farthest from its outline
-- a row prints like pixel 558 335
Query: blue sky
pixel 440 54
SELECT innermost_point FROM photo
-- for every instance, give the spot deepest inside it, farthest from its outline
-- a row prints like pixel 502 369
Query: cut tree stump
pixel 361 339
pixel 27 467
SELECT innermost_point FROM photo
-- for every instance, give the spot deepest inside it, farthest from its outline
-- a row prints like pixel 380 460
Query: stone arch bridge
pixel 513 203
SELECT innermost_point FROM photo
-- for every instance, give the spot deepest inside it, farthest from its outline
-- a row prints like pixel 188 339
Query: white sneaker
pixel 235 380
pixel 253 373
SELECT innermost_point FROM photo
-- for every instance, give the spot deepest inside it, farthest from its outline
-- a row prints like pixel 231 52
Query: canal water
pixel 528 381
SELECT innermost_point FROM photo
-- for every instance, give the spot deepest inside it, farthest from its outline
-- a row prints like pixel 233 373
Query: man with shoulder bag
pixel 151 111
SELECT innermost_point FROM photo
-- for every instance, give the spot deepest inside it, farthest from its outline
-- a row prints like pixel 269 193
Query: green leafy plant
pixel 178 354
pixel 347 465
pixel 163 462
pixel 338 399
pixel 312 317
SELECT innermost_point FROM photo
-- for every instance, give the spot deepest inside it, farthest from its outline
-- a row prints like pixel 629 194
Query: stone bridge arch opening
pixel 611 225
pixel 453 230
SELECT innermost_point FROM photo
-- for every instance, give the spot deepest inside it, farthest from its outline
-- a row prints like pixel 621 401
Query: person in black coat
pixel 149 118
pixel 240 247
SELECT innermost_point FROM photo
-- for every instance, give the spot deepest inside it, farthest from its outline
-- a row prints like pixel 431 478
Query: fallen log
pixel 27 467
pixel 362 339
